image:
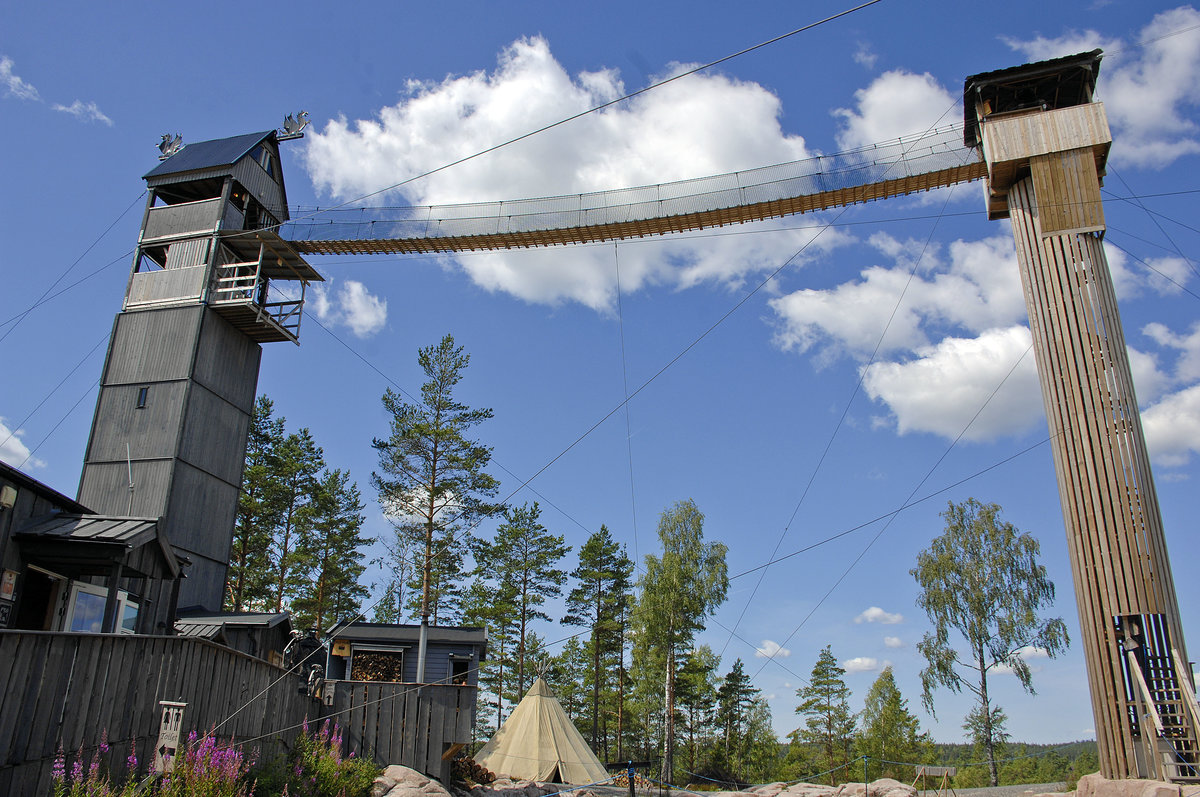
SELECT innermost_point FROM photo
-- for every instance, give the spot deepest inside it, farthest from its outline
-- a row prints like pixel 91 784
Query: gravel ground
pixel 1004 791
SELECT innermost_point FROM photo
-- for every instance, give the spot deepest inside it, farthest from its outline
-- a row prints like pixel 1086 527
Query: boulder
pixel 398 781
pixel 1095 785
pixel 884 787
pixel 807 790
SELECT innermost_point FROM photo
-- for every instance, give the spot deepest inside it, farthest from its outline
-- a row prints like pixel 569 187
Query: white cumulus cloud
pixel 352 306
pixel 771 649
pixel 878 615
pixel 893 642
pixel 1172 427
pixel 896 104
pixel 14 451
pixel 944 386
pixel 1145 86
pixel 699 125
pixel 861 664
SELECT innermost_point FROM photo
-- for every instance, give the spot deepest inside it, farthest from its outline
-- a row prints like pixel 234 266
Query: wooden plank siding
pixel 1110 508
pixel 1068 192
pixel 403 723
pixel 65 690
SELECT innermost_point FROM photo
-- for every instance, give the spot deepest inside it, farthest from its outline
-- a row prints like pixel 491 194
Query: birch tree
pixel 982 578
pixel 678 591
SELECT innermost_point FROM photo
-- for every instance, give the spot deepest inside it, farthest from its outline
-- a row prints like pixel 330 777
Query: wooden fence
pixel 64 690
pixel 418 726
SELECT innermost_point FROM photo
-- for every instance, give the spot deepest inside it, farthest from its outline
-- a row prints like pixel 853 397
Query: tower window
pixel 143 394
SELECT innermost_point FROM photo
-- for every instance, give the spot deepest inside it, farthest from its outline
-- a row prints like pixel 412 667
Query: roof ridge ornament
pixel 293 127
pixel 169 146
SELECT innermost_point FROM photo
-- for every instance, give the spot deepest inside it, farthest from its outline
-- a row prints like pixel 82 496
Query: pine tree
pixel 246 581
pixel 825 706
pixel 297 465
pixel 598 603
pixel 494 608
pixel 329 555
pixel 432 479
pixel 524 558
pixel 696 698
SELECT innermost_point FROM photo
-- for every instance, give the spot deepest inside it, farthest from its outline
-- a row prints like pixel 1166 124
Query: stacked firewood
pixel 466 769
pixel 377 666
pixel 639 782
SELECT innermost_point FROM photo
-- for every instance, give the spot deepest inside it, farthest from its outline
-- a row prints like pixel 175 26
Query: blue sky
pixel 743 421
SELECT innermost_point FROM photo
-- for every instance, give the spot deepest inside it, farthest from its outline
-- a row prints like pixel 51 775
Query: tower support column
pixel 1110 507
pixel 1045 143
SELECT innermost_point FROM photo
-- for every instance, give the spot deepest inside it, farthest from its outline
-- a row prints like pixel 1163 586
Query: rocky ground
pixel 397 781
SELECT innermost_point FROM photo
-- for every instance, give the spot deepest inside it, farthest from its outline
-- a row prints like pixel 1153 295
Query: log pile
pixel 463 768
pixel 377 666
pixel 639 782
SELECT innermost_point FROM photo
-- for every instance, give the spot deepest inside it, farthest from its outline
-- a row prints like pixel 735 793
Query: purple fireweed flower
pixel 77 767
pixel 104 740
pixel 304 725
pixel 60 765
pixel 131 760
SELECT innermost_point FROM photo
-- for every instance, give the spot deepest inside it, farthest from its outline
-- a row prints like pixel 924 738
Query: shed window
pixel 143 394
pixel 459 669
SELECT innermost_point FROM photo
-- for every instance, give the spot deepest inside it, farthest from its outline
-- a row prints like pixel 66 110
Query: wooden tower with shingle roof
pixel 211 281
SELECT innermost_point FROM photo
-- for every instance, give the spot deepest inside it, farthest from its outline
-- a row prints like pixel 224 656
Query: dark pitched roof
pixel 209 154
pixel 87 542
pixel 438 634
pixel 10 474
pixel 212 625
pixel 129 532
pixel 1058 82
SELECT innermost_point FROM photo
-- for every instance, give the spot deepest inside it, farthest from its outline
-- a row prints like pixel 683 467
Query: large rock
pixel 807 790
pixel 398 781
pixel 884 787
pixel 1095 785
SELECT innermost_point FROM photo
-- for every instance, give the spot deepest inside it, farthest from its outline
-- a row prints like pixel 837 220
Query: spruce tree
pixel 890 734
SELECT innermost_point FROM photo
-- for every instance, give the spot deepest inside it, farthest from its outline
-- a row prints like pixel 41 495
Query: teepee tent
pixel 539 742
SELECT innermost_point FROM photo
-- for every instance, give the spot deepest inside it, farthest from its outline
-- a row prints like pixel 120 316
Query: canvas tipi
pixel 538 742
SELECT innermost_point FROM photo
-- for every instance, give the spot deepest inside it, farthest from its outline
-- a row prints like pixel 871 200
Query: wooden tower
pixel 1045 144
pixel 168 437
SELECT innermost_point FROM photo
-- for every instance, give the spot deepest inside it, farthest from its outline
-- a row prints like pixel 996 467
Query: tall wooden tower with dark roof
pixel 1046 143
pixel 211 281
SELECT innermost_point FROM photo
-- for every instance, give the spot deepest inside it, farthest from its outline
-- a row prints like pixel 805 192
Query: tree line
pixel 632 679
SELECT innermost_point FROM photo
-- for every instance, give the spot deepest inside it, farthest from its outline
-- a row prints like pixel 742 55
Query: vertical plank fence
pixel 397 723
pixel 65 690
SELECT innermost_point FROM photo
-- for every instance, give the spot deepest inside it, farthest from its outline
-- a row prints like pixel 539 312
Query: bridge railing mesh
pixel 906 157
